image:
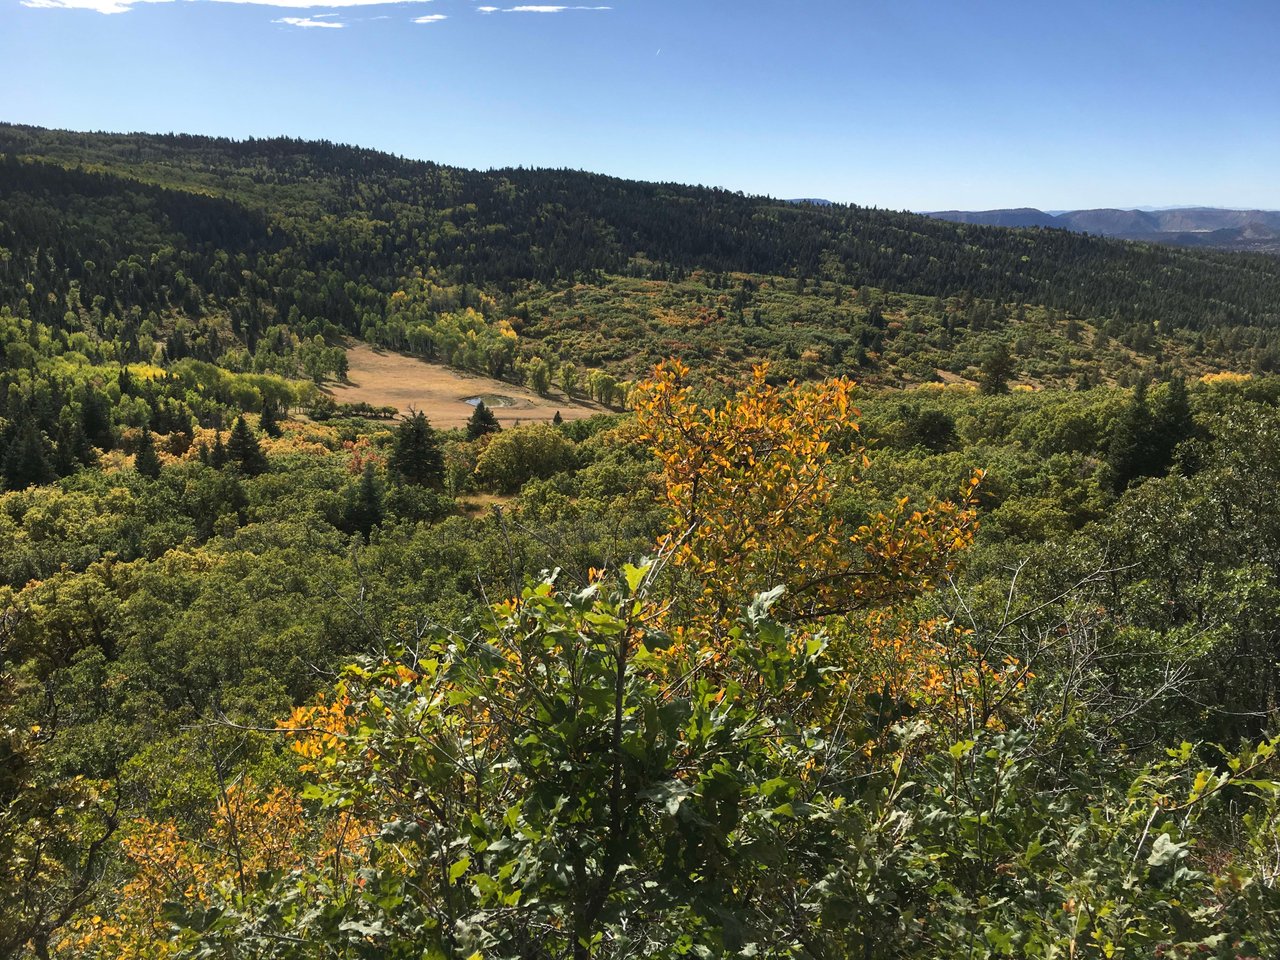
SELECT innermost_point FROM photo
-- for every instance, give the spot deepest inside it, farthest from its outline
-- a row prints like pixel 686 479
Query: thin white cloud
pixel 303 4
pixel 311 21
pixel 124 6
pixel 101 6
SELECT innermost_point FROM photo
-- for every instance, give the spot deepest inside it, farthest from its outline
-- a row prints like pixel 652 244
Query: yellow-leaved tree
pixel 752 483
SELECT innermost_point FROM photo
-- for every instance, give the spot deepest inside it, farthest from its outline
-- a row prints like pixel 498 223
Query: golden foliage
pixel 930 664
pixel 751 484
pixel 253 829
pixel 1226 376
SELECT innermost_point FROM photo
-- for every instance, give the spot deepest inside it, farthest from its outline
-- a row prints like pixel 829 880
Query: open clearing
pixel 384 378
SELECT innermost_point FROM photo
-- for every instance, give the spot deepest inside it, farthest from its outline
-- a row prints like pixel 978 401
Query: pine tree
pixel 218 456
pixel 415 453
pixel 1129 454
pixel 364 508
pixel 269 423
pixel 243 450
pixel 995 371
pixel 25 462
pixel 95 420
pixel 73 448
pixel 482 421
pixel 1172 421
pixel 145 460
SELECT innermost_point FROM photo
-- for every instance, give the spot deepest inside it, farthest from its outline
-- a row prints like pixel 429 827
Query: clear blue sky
pixel 917 104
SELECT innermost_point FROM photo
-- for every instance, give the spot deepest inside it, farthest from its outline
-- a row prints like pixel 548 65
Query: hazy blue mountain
pixel 1185 226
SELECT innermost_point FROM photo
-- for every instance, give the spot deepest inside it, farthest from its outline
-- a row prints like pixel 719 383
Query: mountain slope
pixel 243 252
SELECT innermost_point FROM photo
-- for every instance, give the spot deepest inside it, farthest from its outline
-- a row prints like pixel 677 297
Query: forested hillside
pixel 976 657
pixel 198 246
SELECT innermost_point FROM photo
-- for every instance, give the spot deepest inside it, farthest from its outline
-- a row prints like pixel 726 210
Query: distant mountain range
pixel 1257 230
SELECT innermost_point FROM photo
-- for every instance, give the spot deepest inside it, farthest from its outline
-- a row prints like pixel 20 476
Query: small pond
pixel 491 400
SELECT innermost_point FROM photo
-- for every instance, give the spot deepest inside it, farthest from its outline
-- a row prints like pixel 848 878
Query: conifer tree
pixel 415 453
pixel 25 462
pixel 1128 456
pixel 243 450
pixel 218 456
pixel 95 420
pixel 1172 421
pixel 364 509
pixel 482 421
pixel 995 371
pixel 73 448
pixel 269 423
pixel 145 460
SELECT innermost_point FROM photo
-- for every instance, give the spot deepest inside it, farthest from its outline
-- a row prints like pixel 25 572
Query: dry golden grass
pixel 384 378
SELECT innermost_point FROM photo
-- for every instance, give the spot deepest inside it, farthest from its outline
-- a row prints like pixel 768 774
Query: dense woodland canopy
pixel 199 246
pixel 983 667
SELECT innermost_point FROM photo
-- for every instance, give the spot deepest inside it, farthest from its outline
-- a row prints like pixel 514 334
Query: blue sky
pixel 915 104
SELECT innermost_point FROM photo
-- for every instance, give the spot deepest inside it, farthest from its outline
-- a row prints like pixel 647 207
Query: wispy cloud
pixel 535 8
pixel 124 6
pixel 101 6
pixel 311 21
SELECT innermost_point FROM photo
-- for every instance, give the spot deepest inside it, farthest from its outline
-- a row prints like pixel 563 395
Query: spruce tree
pixel 218 456
pixel 364 508
pixel 25 462
pixel 95 420
pixel 269 423
pixel 1172 422
pixel 415 453
pixel 482 421
pixel 145 460
pixel 1129 454
pixel 73 448
pixel 243 450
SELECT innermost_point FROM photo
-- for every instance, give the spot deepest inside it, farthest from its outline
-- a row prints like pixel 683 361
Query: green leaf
pixel 635 575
